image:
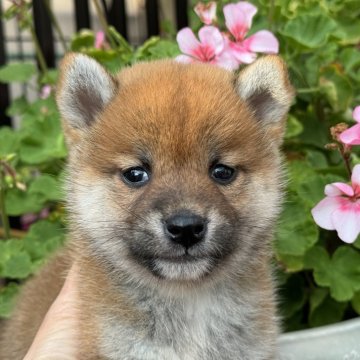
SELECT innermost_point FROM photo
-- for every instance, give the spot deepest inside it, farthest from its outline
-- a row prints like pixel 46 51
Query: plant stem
pixel 56 25
pixel 4 217
pixel 13 233
pixel 271 14
pixel 104 23
pixel 39 53
pixel 307 90
pixel 346 158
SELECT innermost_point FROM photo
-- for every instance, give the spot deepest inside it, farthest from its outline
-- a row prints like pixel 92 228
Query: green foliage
pixel 21 72
pixel 341 272
pixel 7 299
pixel 310 31
pixel 320 276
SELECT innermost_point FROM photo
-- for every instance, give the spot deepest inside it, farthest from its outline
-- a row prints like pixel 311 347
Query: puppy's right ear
pixel 84 89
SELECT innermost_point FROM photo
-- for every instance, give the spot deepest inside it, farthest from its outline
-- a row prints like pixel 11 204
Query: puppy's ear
pixel 264 86
pixel 84 89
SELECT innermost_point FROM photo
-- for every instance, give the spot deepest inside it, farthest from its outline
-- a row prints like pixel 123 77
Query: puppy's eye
pixel 222 174
pixel 136 176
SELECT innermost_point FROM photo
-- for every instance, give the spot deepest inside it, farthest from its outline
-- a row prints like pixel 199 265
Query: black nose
pixel 185 228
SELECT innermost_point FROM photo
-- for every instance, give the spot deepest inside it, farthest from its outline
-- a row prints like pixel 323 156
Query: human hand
pixel 56 338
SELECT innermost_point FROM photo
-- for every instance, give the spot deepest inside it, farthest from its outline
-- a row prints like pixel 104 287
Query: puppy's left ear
pixel 265 87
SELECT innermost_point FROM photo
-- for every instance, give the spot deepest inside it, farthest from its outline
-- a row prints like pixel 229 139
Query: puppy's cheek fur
pixel 99 224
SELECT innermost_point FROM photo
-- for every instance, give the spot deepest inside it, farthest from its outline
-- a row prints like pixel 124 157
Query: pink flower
pixel 45 91
pixel 99 39
pixel 27 220
pixel 340 210
pixel 352 136
pixel 238 19
pixel 210 48
pixel 206 12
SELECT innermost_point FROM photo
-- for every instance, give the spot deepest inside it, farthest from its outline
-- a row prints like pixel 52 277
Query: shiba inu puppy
pixel 173 191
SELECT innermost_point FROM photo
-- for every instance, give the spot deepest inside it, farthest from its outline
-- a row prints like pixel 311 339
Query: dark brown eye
pixel 222 174
pixel 136 176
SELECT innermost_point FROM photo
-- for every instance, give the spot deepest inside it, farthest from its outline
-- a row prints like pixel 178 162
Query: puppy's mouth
pixel 184 267
pixel 184 258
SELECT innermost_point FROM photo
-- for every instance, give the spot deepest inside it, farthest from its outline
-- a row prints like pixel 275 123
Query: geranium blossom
pixel 340 210
pixel 238 19
pixel 45 91
pixel 206 12
pixel 352 136
pixel 209 49
pixel 99 39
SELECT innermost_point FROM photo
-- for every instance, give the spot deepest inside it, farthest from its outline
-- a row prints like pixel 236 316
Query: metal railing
pixel 116 15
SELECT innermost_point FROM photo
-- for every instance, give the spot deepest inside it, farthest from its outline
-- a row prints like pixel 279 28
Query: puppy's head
pixel 174 170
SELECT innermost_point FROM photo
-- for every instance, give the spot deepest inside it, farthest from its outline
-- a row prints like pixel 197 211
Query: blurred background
pixel 136 20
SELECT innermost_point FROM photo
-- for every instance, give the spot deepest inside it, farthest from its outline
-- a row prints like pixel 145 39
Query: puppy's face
pixel 174 169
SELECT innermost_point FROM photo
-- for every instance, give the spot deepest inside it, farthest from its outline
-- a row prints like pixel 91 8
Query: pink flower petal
pixel 356 114
pixel 346 221
pixel 45 91
pixel 211 37
pixel 263 41
pixel 184 59
pixel 227 61
pixel 322 212
pixel 338 189
pixel 355 177
pixel 351 136
pixel 187 41
pixel 242 55
pixel 99 39
pixel 238 18
pixel 206 12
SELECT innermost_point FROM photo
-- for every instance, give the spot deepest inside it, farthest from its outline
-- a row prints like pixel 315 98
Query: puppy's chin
pixel 181 269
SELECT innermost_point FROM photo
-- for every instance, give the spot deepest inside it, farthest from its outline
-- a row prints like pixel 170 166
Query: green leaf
pixel 7 299
pixel 9 141
pixel 17 72
pixel 142 51
pixel 317 297
pixel 293 127
pixel 350 59
pixel 50 78
pixel 15 262
pixel 17 107
pixel 42 139
pixel 18 202
pixel 19 266
pixel 315 131
pixel 311 31
pixel 341 273
pixel 293 296
pixel 299 172
pixel 295 322
pixel 48 186
pixel 337 88
pixel 355 302
pixel 120 40
pixel 316 159
pixel 84 39
pixel 313 189
pixel 327 312
pixel 43 238
pixel 291 263
pixel 297 231
pixel 164 49
pixel 348 32
pixel 357 243
pixel 156 48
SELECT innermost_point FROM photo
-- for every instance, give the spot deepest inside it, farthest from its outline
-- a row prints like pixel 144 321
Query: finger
pixel 56 337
